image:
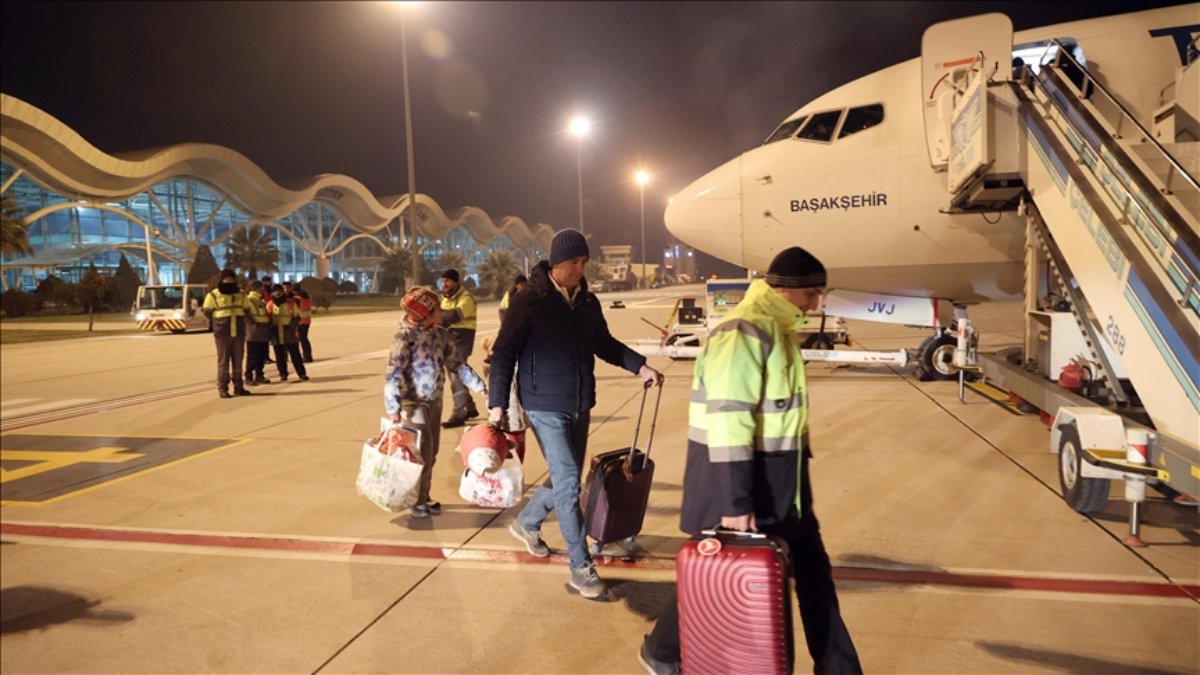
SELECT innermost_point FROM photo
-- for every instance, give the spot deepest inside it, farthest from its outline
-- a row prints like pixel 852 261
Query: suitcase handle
pixel 653 423
pixel 728 532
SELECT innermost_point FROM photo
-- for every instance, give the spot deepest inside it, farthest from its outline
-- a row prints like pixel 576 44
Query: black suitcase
pixel 617 487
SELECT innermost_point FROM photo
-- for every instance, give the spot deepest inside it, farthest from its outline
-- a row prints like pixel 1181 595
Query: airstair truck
pixel 176 308
pixel 1112 220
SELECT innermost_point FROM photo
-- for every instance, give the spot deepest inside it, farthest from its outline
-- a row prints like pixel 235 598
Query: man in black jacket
pixel 554 330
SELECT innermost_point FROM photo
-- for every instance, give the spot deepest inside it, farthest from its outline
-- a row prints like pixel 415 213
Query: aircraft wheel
pixel 1085 495
pixel 818 341
pixel 937 358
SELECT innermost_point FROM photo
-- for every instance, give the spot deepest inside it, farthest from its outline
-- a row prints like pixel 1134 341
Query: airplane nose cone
pixel 707 215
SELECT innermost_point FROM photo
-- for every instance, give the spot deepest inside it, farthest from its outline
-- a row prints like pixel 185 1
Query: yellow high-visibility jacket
pixel 225 309
pixel 459 310
pixel 747 420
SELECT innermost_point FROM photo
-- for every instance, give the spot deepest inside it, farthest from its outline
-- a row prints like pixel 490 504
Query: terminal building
pixel 83 206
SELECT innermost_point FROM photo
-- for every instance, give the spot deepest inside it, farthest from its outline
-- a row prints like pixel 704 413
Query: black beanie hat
pixel 568 244
pixel 521 279
pixel 228 273
pixel 795 268
pixel 452 275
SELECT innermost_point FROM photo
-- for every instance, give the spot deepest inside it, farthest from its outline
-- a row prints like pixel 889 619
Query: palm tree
pixel 14 236
pixel 395 267
pixel 452 259
pixel 496 272
pixel 252 249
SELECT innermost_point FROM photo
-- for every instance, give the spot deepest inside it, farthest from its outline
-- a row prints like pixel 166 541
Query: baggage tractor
pixel 735 603
pixel 617 487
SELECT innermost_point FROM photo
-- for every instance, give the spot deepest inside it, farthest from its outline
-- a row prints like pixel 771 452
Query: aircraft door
pixel 951 53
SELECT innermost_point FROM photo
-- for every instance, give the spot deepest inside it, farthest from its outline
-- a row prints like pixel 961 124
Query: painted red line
pixel 868 574
pixel 1014 583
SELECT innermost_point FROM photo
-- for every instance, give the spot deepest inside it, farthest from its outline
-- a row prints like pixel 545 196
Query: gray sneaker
pixel 586 581
pixel 652 665
pixel 532 540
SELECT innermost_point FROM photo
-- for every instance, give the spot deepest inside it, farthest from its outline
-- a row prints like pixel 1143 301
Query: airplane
pixel 858 177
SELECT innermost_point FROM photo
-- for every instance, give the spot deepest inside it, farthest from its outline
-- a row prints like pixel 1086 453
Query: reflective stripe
pixel 743 326
pixel 782 405
pixel 731 406
pixel 735 453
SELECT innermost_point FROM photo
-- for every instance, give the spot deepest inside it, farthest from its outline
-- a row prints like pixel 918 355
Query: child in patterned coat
pixel 422 352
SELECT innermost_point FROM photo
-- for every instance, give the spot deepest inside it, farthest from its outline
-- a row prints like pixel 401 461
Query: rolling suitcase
pixel 617 488
pixel 735 606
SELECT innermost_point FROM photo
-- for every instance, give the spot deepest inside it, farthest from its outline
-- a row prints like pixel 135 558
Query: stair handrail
pixel 1146 135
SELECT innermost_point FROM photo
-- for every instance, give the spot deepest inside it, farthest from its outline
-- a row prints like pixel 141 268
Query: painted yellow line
pixel 121 479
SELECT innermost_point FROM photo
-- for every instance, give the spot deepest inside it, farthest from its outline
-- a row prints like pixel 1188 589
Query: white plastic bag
pixel 500 489
pixel 389 471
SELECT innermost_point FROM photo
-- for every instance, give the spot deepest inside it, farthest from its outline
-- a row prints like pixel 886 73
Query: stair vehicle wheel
pixel 1085 495
pixel 178 331
pixel 937 358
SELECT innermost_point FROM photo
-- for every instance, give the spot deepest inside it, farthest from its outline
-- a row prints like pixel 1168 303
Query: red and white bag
pixel 499 489
pixel 390 468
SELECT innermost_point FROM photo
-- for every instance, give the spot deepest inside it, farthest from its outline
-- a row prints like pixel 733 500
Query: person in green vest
pixel 748 454
pixel 458 317
pixel 258 335
pixel 225 306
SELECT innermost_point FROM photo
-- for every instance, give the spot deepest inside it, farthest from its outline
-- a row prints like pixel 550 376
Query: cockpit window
pixel 858 119
pixel 820 127
pixel 785 130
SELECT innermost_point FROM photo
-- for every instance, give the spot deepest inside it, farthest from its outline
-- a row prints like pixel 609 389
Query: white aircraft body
pixel 851 178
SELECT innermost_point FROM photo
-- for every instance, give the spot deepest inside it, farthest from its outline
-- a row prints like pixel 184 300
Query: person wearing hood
pixel 258 334
pixel 555 329
pixel 748 454
pixel 225 306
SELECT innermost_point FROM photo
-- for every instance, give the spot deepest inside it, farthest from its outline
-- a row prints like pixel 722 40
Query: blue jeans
pixel 563 438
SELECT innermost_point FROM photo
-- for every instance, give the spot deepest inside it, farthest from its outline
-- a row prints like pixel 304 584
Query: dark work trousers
pixel 282 352
pixel 828 640
pixel 229 354
pixel 464 405
pixel 305 345
pixel 256 360
pixel 430 430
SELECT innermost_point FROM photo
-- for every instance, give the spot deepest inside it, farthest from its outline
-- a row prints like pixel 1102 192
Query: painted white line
pixel 16 401
pixel 53 405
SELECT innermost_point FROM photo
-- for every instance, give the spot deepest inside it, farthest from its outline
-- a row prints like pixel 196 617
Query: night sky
pixel 309 88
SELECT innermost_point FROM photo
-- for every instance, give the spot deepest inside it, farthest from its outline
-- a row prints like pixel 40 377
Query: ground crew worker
pixel 747 463
pixel 458 316
pixel 285 333
pixel 258 335
pixel 225 306
pixel 267 286
pixel 304 304
pixel 519 284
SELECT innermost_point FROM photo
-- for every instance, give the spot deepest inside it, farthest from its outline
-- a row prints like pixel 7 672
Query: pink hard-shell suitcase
pixel 735 607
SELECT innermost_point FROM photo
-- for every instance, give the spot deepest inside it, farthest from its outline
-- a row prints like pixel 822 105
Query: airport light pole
pixel 408 133
pixel 149 258
pixel 580 127
pixel 642 178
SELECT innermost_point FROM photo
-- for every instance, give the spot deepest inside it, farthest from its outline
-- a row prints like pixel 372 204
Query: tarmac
pixel 147 526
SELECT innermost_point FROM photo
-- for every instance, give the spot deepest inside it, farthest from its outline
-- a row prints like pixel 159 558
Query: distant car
pixel 598 286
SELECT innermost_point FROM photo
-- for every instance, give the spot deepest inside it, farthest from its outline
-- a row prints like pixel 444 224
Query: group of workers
pixel 246 321
pixel 748 453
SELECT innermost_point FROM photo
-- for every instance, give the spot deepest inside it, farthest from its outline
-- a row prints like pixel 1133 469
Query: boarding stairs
pixel 1117 215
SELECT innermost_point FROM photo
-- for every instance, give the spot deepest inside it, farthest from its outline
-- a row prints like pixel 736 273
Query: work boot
pixel 652 665
pixel 304 378
pixel 455 421
pixel 224 393
pixel 263 380
pixel 472 413
pixel 241 391
pixel 249 380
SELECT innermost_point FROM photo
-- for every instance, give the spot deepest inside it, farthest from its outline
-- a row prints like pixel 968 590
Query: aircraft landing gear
pixel 936 357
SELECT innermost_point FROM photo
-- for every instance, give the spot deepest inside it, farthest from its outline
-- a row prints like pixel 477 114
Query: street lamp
pixel 580 128
pixel 408 133
pixel 642 178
